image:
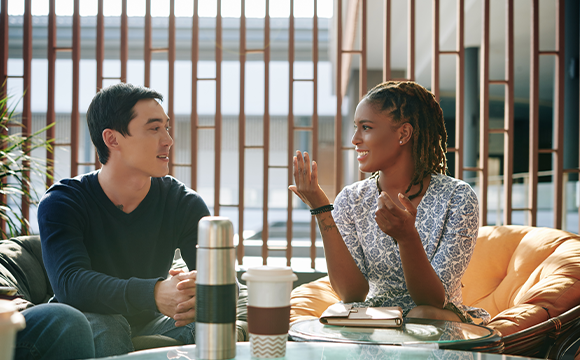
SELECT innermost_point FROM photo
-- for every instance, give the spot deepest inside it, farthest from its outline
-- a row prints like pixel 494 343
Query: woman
pixel 404 236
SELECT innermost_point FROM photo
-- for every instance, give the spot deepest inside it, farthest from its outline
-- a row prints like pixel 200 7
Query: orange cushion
pixel 309 300
pixel 523 275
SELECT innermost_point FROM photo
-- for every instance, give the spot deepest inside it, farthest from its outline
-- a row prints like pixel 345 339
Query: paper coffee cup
pixel 269 291
pixel 11 321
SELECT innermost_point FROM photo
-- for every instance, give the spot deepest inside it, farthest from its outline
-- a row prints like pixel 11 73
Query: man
pixel 109 237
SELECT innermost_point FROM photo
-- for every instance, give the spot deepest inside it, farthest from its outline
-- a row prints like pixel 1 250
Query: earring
pixel 401 142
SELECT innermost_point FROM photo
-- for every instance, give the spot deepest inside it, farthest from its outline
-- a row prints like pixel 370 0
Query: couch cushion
pixel 523 275
pixel 309 300
pixel 21 267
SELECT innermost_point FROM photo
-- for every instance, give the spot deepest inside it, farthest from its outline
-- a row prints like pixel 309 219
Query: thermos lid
pixel 269 274
pixel 215 232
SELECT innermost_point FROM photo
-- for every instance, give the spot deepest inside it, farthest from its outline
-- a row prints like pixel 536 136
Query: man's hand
pixel 175 296
pixel 186 310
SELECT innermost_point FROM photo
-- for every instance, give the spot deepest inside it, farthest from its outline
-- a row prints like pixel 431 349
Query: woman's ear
pixel 110 138
pixel 405 133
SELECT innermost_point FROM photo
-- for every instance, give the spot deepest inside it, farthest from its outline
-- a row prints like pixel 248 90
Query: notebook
pixel 345 315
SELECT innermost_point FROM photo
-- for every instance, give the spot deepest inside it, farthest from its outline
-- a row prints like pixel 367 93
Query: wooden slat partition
pixel 534 112
pixel 508 115
pixel 76 68
pixel 290 156
pixel 242 135
pixel 4 73
pixel 266 130
pixel 218 108
pixel 459 89
pixel 483 115
pixel 51 91
pixel 124 40
pixel 355 16
pixel 194 119
pixel 314 122
pixel 26 104
pixel 170 100
pixel 558 158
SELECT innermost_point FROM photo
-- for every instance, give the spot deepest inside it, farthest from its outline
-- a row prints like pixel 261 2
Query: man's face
pixel 146 149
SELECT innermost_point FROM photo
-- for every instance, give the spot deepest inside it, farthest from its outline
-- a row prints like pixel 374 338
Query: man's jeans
pixel 112 333
pixel 54 331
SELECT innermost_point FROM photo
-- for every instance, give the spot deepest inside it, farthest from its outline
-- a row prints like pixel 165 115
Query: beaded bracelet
pixel 322 209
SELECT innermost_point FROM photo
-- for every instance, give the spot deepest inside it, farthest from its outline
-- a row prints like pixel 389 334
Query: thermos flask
pixel 216 290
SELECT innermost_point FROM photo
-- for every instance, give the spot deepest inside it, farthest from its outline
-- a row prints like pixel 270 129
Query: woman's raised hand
pixel 306 180
pixel 394 221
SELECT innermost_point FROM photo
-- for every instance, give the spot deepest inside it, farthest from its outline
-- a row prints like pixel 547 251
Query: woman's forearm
pixel 345 276
pixel 423 284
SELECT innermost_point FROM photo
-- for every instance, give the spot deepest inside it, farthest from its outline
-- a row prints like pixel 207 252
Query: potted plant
pixel 16 165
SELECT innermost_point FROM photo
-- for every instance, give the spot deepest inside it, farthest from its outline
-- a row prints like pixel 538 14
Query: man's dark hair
pixel 112 108
pixel 410 102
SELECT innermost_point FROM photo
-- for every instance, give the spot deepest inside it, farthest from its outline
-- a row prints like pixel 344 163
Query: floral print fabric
pixel 447 222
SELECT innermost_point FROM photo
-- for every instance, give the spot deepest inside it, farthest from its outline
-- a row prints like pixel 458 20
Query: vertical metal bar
pixel 242 135
pixel 147 44
pixel 124 41
pixel 459 89
pixel 26 104
pixel 3 47
pixel 3 76
pixel 171 80
pixel 100 46
pixel 218 108
pixel 290 129
pixel 75 115
pixel 484 115
pixel 314 122
pixel 509 115
pixel 387 40
pixel 51 93
pixel 100 56
pixel 558 166
pixel 338 116
pixel 411 48
pixel 266 134
pixel 194 120
pixel 534 116
pixel 349 40
pixel 435 55
pixel 362 89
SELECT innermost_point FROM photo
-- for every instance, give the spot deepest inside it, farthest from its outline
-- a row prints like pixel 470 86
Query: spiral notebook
pixel 345 315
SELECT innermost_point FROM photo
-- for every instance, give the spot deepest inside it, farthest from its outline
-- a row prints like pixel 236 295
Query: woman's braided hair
pixel 410 102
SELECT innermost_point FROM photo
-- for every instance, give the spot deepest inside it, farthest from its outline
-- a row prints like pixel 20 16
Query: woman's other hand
pixel 394 221
pixel 306 180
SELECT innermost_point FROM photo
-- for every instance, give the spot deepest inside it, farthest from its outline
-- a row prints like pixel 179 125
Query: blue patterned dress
pixel 447 222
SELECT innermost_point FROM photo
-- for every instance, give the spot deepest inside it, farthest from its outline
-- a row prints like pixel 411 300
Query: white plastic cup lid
pixel 269 274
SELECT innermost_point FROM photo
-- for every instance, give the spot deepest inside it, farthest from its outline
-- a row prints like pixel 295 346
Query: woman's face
pixel 376 138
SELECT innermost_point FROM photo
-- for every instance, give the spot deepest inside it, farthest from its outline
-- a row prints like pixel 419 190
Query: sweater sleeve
pixel 192 209
pixel 62 218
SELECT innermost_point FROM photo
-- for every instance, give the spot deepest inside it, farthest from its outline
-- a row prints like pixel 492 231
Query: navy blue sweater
pixel 102 260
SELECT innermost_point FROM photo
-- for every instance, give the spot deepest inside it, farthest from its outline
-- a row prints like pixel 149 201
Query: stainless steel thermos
pixel 216 290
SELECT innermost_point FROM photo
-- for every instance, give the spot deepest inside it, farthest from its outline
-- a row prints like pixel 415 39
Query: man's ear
pixel 110 138
pixel 405 133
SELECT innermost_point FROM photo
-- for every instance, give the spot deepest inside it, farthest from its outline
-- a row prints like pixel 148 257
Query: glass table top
pixel 443 334
pixel 324 351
